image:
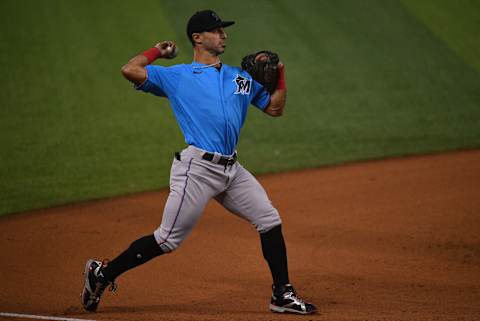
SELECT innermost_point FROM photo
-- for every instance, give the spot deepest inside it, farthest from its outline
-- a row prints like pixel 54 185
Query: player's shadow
pixel 197 308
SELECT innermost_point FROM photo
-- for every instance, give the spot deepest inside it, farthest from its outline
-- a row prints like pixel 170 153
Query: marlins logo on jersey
pixel 243 85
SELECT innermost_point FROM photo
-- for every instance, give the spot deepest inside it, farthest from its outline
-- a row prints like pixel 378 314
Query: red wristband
pixel 281 78
pixel 152 54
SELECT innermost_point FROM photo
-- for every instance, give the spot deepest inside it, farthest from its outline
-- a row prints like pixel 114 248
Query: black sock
pixel 139 252
pixel 274 251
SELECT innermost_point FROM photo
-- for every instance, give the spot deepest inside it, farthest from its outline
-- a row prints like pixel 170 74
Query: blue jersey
pixel 210 105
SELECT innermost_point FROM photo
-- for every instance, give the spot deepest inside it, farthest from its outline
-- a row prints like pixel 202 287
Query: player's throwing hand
pixel 168 49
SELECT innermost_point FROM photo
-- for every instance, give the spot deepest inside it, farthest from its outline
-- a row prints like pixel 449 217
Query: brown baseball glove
pixel 263 67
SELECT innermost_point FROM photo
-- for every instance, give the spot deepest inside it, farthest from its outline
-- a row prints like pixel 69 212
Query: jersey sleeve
pixel 260 97
pixel 161 81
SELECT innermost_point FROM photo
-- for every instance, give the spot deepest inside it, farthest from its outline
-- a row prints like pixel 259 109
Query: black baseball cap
pixel 205 20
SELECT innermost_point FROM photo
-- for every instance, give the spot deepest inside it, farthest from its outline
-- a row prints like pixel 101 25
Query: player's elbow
pixel 135 74
pixel 127 71
pixel 275 109
pixel 275 112
pixel 277 103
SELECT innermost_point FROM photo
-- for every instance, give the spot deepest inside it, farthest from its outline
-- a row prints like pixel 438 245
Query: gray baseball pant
pixel 194 181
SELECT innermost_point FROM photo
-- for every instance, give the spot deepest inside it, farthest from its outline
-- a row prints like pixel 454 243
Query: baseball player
pixel 210 101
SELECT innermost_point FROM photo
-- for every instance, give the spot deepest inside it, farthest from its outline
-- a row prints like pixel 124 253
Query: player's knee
pixel 167 244
pixel 267 222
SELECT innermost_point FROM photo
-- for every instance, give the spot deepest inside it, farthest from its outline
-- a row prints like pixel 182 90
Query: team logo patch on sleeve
pixel 243 85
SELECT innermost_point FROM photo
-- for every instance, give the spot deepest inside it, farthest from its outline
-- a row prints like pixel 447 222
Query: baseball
pixel 172 52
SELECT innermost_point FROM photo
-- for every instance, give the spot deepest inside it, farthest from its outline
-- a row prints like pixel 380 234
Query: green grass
pixel 72 127
pixel 457 23
pixel 366 79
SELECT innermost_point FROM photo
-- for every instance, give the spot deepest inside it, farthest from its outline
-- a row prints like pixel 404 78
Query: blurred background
pixel 366 80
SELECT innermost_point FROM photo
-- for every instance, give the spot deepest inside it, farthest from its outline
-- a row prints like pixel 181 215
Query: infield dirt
pixel 396 239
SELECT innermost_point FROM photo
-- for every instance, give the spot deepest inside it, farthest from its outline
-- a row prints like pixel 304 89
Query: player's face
pixel 214 40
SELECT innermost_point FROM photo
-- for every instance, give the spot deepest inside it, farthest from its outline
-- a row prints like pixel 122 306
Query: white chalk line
pixel 40 317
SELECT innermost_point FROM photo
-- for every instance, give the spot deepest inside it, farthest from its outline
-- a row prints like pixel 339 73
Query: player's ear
pixel 196 38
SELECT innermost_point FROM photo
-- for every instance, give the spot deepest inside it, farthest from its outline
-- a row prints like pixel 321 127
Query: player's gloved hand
pixel 168 49
pixel 264 66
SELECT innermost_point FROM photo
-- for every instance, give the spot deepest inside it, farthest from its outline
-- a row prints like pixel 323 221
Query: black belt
pixel 222 160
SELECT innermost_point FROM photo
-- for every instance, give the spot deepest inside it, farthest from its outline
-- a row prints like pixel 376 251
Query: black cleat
pixel 95 285
pixel 284 299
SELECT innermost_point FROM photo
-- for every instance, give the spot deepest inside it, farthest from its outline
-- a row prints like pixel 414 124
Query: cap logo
pixel 215 16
